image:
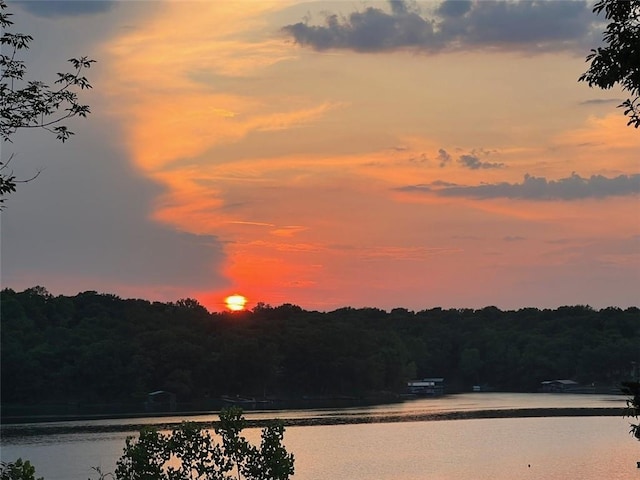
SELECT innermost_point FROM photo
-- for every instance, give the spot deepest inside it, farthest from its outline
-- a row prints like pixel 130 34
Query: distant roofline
pixel 159 392
pixel 564 382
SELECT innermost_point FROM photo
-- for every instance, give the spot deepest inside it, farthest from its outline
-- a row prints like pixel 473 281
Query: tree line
pixel 98 348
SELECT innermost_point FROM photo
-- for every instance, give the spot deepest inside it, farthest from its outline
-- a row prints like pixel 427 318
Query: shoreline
pixel 28 430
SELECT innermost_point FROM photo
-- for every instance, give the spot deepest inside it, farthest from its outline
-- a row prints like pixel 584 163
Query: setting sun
pixel 236 302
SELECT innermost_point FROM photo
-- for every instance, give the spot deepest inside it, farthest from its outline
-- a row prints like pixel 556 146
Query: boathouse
pixel 430 387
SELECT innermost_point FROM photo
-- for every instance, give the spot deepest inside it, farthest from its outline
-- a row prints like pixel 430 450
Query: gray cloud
pixel 398 7
pixel 84 223
pixel 443 157
pixel 472 162
pixel 532 26
pixel 368 31
pixel 420 159
pixel 442 183
pixel 454 8
pixel 574 187
pixel 598 101
pixel 65 8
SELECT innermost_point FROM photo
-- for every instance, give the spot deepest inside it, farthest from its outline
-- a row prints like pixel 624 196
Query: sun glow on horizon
pixel 235 302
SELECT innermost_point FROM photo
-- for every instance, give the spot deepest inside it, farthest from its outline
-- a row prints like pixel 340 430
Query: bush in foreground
pixel 18 470
pixel 192 453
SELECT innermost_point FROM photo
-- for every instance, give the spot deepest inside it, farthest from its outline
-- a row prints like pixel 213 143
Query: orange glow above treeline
pixel 326 193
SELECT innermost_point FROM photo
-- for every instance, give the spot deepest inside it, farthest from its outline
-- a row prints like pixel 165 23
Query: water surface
pixel 559 448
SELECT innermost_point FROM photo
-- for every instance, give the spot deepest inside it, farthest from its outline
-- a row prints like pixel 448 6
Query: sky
pixel 328 154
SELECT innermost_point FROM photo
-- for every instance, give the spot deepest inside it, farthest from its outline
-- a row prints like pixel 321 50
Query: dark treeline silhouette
pixel 96 348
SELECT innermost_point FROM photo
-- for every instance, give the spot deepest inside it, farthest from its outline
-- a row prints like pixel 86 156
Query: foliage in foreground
pixel 32 103
pixel 18 470
pixel 632 389
pixel 618 62
pixel 191 453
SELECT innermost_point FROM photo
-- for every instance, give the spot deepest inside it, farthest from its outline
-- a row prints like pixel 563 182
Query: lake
pixel 549 448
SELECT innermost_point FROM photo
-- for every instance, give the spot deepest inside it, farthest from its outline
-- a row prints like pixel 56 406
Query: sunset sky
pixel 328 154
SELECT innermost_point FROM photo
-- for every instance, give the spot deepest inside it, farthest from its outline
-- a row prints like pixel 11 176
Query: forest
pixel 95 349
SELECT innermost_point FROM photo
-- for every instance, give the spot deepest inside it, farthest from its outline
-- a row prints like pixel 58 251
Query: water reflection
pixel 589 448
pixel 466 402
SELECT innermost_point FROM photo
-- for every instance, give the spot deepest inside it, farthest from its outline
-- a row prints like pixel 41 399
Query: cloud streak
pixel 531 26
pixel 570 188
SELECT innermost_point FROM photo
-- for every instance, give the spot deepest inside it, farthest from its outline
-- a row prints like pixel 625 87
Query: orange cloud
pixel 288 231
pixel 294 165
